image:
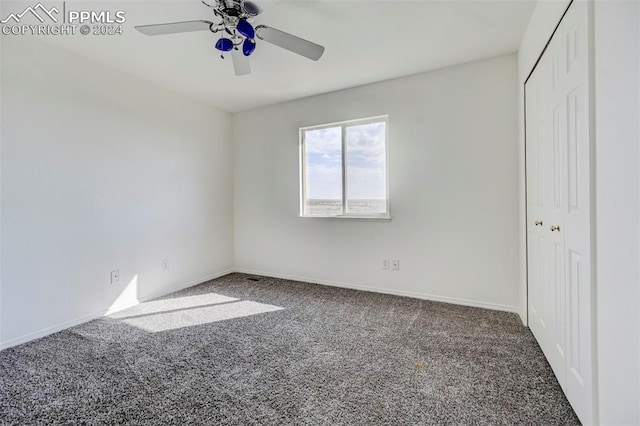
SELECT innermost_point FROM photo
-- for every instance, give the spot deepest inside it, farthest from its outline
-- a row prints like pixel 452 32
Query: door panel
pixel 572 148
pixel 555 214
pixel 577 238
pixel 536 130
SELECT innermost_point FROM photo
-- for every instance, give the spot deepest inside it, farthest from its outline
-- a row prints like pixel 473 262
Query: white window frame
pixel 344 125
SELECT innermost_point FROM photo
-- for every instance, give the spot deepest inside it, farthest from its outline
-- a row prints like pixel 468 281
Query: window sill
pixel 381 217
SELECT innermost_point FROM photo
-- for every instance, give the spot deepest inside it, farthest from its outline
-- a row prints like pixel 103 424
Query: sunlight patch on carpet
pixel 175 303
pixel 193 316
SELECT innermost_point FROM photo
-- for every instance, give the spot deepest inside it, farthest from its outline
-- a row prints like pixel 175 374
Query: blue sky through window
pixel 366 162
pixel 323 149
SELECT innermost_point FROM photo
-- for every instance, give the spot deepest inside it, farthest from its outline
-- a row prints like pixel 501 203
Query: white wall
pixel 103 171
pixel 453 189
pixel 543 21
pixel 617 113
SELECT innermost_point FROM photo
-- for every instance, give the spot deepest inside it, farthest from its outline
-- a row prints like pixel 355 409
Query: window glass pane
pixel 323 171
pixel 366 178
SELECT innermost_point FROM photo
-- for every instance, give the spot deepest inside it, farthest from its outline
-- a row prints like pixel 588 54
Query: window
pixel 343 169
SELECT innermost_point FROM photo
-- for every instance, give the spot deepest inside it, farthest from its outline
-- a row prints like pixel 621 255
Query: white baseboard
pixel 415 295
pixel 523 317
pixel 77 321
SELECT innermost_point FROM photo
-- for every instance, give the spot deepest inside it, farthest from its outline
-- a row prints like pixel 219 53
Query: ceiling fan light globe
pixel 224 45
pixel 248 47
pixel 246 29
pixel 250 8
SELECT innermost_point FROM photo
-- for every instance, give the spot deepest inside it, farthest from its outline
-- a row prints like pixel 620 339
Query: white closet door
pixel 559 208
pixel 537 198
pixel 556 108
pixel 545 178
pixel 577 229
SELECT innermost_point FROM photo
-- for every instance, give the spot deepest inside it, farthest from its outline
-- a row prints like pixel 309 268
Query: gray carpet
pixel 234 351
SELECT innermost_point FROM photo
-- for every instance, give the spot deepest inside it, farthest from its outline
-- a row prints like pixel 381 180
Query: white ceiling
pixel 366 41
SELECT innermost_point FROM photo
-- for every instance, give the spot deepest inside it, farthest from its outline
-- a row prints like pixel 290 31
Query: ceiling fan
pixel 237 34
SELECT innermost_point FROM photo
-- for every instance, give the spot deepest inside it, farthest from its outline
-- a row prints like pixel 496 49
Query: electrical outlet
pixel 115 276
pixel 385 263
pixel 165 264
pixel 395 264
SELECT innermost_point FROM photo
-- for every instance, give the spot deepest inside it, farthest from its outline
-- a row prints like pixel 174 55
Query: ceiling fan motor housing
pixel 231 7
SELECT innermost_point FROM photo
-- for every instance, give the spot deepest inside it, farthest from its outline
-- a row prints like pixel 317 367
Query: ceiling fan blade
pixel 174 27
pixel 241 64
pixel 290 42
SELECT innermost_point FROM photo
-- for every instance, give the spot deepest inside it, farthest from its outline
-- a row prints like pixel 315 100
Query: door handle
pixel 538 223
pixel 555 228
